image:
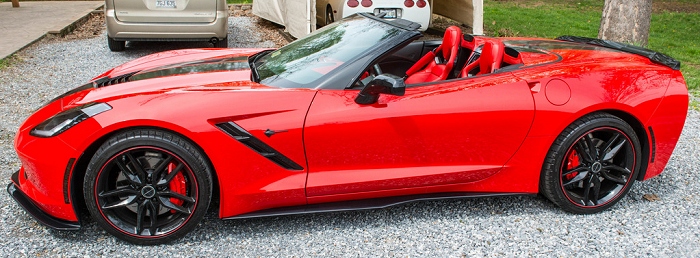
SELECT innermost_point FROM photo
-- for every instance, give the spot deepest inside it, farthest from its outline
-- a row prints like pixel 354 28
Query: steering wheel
pixel 367 76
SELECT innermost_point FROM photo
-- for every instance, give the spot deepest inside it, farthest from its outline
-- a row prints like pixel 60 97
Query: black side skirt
pixel 366 204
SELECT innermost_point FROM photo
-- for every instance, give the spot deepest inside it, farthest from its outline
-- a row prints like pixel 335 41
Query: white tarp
pixel 299 16
pixel 469 12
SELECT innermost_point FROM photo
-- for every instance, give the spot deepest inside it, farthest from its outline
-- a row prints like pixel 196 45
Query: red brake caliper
pixel 177 185
pixel 571 162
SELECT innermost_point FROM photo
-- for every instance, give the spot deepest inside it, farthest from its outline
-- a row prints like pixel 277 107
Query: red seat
pixel 490 59
pixel 429 68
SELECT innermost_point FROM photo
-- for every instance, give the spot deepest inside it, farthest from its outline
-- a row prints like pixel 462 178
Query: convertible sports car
pixel 357 115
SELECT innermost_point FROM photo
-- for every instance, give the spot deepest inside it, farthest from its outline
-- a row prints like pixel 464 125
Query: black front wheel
pixel 592 164
pixel 147 186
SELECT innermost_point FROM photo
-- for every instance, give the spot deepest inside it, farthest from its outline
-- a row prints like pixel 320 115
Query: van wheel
pixel 222 43
pixel 114 45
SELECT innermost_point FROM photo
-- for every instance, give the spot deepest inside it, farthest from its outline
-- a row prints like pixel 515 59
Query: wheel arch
pixel 77 175
pixel 642 135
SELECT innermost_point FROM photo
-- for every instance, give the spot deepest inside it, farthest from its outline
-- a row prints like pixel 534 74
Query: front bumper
pixel 34 210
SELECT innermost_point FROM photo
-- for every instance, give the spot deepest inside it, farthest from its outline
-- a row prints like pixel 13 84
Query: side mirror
pixel 382 84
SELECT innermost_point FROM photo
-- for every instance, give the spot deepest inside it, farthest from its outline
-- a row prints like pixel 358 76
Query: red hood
pixel 175 71
pixel 169 58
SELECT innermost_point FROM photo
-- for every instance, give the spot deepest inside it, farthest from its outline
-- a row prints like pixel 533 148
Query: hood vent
pixel 106 81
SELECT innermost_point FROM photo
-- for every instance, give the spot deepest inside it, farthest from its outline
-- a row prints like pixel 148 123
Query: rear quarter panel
pixel 632 88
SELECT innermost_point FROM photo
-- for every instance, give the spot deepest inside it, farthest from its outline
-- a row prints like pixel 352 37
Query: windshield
pixel 308 59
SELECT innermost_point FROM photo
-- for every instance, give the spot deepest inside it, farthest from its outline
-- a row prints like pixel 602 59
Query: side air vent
pixel 257 145
pixel 106 81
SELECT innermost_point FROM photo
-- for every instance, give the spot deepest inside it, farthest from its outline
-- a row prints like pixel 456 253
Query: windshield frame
pixel 407 31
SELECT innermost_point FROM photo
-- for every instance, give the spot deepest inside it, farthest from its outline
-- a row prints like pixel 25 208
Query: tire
pixel 222 43
pixel 114 45
pixel 329 15
pixel 172 179
pixel 592 164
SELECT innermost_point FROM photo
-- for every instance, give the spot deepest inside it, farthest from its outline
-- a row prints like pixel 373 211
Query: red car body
pixel 482 135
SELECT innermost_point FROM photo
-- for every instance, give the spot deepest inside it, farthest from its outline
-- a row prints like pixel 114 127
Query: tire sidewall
pixel 166 141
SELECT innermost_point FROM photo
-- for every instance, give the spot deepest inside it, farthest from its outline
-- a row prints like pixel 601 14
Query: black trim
pixel 66 180
pixel 468 37
pixel 366 204
pixel 107 81
pixel 257 145
pixel 511 52
pixel 654 56
pixel 653 144
pixel 35 211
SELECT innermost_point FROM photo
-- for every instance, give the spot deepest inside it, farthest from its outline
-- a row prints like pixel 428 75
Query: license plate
pixel 390 13
pixel 165 4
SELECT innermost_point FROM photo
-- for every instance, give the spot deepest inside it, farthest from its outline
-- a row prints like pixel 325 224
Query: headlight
pixel 67 119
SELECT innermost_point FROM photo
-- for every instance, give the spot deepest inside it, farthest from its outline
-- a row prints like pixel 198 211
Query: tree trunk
pixel 15 3
pixel 626 21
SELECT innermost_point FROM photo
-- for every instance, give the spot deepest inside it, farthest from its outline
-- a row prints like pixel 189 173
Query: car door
pixel 447 133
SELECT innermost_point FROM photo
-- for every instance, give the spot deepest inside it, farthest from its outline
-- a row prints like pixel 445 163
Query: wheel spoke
pixel 591 148
pixel 596 188
pixel 578 169
pixel 160 168
pixel 587 190
pixel 612 152
pixel 607 176
pixel 177 196
pixel 581 149
pixel 153 209
pixel 576 179
pixel 122 203
pixel 166 203
pixel 618 168
pixel 121 192
pixel 141 216
pixel 165 181
pixel 133 178
pixel 137 166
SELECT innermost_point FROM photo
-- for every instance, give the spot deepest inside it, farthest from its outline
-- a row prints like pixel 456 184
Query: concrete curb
pixel 58 31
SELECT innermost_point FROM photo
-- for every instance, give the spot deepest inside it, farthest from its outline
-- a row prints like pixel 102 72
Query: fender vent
pixel 241 135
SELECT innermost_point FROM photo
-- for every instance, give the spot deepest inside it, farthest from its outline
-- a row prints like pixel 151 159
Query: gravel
pixel 505 226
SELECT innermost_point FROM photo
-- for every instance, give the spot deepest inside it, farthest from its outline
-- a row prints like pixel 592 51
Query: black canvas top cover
pixel 654 56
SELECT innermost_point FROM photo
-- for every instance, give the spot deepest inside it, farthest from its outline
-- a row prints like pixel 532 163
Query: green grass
pixel 4 63
pixel 239 1
pixel 9 61
pixel 674 34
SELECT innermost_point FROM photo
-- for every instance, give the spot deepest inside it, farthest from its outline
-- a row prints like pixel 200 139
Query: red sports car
pixel 357 115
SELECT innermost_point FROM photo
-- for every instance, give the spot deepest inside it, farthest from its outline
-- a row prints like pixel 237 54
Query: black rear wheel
pixel 221 43
pixel 592 164
pixel 115 45
pixel 147 186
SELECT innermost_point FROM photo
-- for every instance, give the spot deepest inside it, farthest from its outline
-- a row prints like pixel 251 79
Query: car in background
pixel 418 11
pixel 166 20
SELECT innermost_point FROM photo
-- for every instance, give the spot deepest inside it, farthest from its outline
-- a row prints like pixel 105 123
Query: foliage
pixel 671 33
